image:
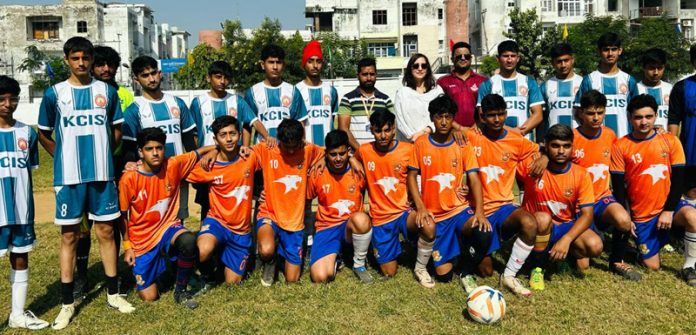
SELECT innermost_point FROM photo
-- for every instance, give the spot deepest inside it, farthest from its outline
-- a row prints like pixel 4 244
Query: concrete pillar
pixel 457 21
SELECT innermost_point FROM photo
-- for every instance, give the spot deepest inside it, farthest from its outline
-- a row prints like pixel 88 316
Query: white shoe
pixel 423 278
pixel 116 301
pixel 63 318
pixel 468 283
pixel 27 320
pixel 515 286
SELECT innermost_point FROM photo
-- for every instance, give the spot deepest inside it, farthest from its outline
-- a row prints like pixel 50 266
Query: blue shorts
pixel 17 238
pixel 496 219
pixel 599 207
pixel 235 247
pixel 447 233
pixel 557 231
pixel 289 242
pixel 98 198
pixel 328 241
pixel 149 266
pixel 385 238
pixel 650 239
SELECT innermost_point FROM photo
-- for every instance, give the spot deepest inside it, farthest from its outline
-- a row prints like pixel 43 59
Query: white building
pixel 393 29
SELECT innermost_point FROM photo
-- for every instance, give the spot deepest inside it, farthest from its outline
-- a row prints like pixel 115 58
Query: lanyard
pixel 368 111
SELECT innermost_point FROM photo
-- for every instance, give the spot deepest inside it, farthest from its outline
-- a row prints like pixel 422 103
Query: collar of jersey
pixel 430 138
pixel 588 137
pixel 502 135
pixel 561 171
pixel 396 143
pixel 339 173
pixel 234 160
pixel 642 139
pixel 148 174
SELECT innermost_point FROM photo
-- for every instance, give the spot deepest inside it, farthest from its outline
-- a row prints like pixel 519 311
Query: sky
pixel 210 13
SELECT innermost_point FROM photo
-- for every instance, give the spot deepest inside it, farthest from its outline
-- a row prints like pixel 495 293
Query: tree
pixel 583 38
pixel 37 64
pixel 526 29
pixel 192 74
pixel 488 65
pixel 341 55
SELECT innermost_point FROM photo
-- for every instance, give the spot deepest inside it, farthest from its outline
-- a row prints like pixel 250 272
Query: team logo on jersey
pixel 474 87
pixel 285 101
pixel 436 255
pixel 22 144
pixel 388 184
pixel 175 111
pixel 290 181
pixel 597 171
pixel 232 111
pixel 523 90
pixel 239 192
pixel 665 99
pixel 247 173
pixel 492 172
pixel 397 167
pixel 643 249
pixel 351 189
pixel 656 172
pixel 299 166
pixel 327 99
pixel 168 186
pixel 455 162
pixel 505 157
pixel 444 180
pixel 606 152
pixel 100 101
pixel 568 192
pixel 623 88
pixel 343 206
pixel 160 207
pixel 664 154
pixel 139 280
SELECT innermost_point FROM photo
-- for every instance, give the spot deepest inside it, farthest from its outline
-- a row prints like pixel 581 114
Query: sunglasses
pixel 417 66
pixel 460 57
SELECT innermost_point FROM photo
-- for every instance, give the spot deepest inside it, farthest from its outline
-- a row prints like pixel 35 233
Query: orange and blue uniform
pixel 442 167
pixel 385 174
pixel 152 203
pixel 285 184
pixel 646 166
pixel 498 160
pixel 559 193
pixel 231 184
pixel 339 195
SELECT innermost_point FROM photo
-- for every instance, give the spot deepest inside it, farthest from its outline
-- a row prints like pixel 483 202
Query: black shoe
pixel 689 276
pixel 185 298
pixel 624 270
pixel 80 289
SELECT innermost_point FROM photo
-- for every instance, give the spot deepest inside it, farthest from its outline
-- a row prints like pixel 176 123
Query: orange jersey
pixel 442 167
pixel 647 167
pixel 559 193
pixel 231 186
pixel 498 160
pixel 594 154
pixel 386 180
pixel 285 183
pixel 152 200
pixel 339 196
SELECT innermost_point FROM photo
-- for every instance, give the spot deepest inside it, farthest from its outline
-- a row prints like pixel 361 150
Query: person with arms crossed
pixel 654 61
pixel 462 84
pixel 559 90
pixel 86 115
pixel 651 166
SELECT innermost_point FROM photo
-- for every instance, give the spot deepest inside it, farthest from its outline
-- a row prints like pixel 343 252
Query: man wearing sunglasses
pixel 462 84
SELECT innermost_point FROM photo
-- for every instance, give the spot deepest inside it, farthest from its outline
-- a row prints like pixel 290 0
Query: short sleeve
pixel 315 154
pixel 187 122
pixel 245 114
pixel 298 109
pixel 535 97
pixel 125 190
pixel 184 164
pixel 617 161
pixel 470 161
pixel 344 107
pixel 249 98
pixel 48 110
pixel 484 90
pixel 131 123
pixel 528 149
pixel 676 152
pixel 632 88
pixel 195 110
pixel 585 86
pixel 334 100
pixel 413 161
pixel 586 192
pixel 198 175
pixel 311 183
pixel 33 149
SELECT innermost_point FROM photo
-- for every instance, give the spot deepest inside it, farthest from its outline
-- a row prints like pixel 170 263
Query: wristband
pixel 126 245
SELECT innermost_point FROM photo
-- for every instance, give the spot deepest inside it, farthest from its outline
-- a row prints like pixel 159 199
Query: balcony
pixel 648 12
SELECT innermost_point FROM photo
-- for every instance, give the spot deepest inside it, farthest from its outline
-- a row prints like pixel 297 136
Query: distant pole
pixel 120 71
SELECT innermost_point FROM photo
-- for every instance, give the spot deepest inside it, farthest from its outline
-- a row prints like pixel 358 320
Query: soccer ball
pixel 485 305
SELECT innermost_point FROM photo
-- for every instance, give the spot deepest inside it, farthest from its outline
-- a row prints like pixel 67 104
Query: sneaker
pixel 185 298
pixel 668 248
pixel 268 275
pixel 205 288
pixel 363 275
pixel 63 318
pixel 536 279
pixel 116 301
pixel 624 270
pixel 468 283
pixel 689 276
pixel 515 286
pixel 27 320
pixel 423 278
pixel 80 289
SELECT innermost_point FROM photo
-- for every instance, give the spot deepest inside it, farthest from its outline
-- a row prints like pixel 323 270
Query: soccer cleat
pixel 468 283
pixel 536 279
pixel 423 278
pixel 689 276
pixel 268 275
pixel 363 275
pixel 624 270
pixel 185 298
pixel 63 318
pixel 205 288
pixel 27 320
pixel 81 288
pixel 515 286
pixel 116 301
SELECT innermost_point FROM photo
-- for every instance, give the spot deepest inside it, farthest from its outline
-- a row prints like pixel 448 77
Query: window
pixel 379 17
pixel 440 44
pixel 612 5
pixel 687 27
pixel 44 27
pixel 81 26
pixel 439 14
pixel 410 45
pixel 569 8
pixel 687 4
pixel 589 7
pixel 512 3
pixel 409 14
pixel 381 49
pixel 547 5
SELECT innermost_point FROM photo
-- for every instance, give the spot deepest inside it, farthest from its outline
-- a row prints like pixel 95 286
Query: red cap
pixel 313 48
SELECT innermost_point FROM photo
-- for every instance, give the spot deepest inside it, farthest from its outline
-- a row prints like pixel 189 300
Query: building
pixel 392 29
pixel 213 38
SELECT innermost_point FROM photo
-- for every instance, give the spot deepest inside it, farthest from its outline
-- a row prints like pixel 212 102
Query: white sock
pixel 19 279
pixel 425 249
pixel 361 242
pixel 520 252
pixel 689 250
pixel 691 201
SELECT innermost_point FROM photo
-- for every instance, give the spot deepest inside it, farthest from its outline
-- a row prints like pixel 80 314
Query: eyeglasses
pixel 464 56
pixel 10 99
pixel 417 66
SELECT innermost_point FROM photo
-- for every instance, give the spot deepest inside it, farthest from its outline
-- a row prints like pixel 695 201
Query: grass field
pixel 599 304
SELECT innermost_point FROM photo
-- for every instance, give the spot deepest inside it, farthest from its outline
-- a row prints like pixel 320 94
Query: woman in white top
pixel 412 100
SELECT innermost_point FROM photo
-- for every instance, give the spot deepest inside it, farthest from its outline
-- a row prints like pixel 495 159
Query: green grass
pixel 43 176
pixel 600 303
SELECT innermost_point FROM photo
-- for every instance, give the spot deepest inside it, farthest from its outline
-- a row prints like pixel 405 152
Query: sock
pixel 207 269
pixel 82 259
pixel 183 272
pixel 689 250
pixel 66 290
pixel 112 285
pixel 539 251
pixel 519 254
pixel 19 280
pixel 619 244
pixel 425 249
pixel 361 242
